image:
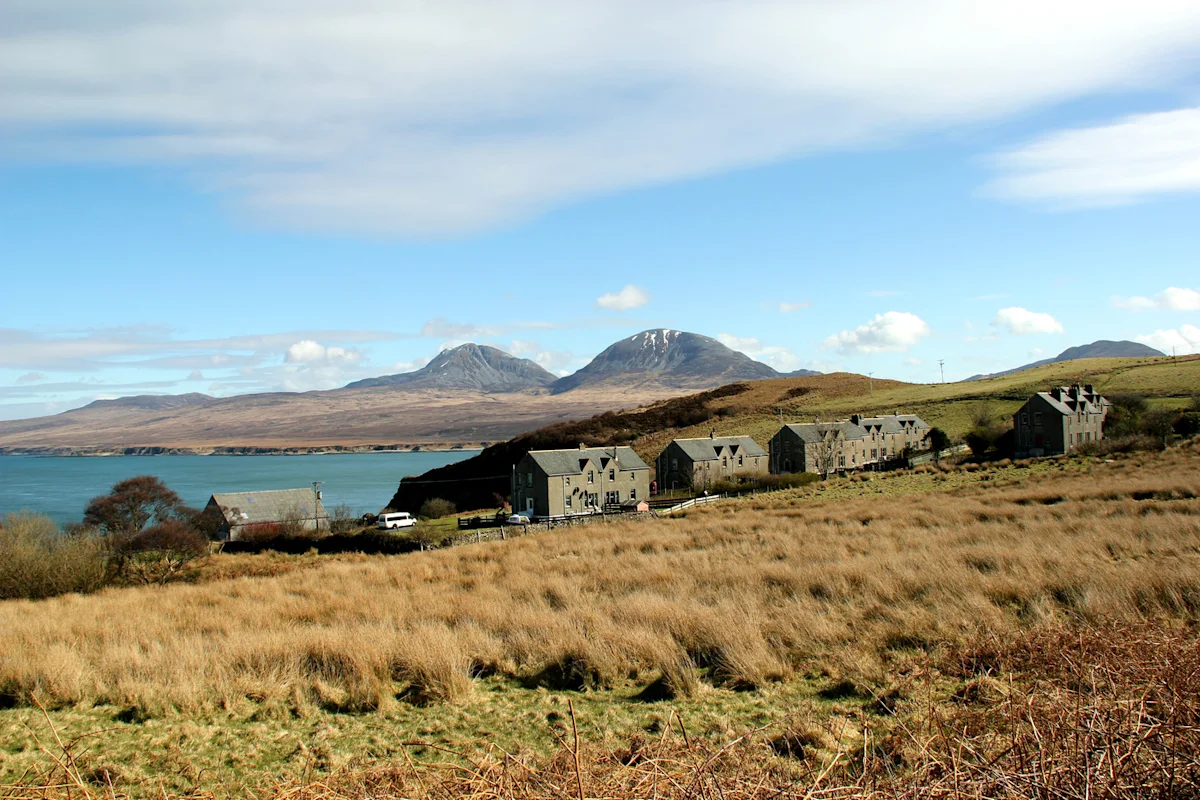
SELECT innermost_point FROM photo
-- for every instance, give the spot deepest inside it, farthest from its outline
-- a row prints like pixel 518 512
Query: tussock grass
pixel 737 595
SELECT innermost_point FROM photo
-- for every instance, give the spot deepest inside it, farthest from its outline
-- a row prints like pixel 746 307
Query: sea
pixel 61 486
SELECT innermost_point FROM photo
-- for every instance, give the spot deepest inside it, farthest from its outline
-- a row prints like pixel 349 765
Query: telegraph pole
pixel 317 505
pixel 942 368
pixel 871 381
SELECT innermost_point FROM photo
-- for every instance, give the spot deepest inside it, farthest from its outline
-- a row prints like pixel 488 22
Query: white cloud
pixel 891 331
pixel 1184 341
pixel 196 375
pixel 1127 161
pixel 558 362
pixel 630 296
pixel 304 352
pixel 433 117
pixel 31 377
pixel 1021 321
pixel 1172 298
pixel 789 308
pixel 780 358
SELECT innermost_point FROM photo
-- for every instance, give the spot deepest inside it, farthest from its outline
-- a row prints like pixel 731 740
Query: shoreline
pixel 237 450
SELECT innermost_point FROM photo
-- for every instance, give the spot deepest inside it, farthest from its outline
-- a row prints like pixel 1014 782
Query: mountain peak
pixel 468 366
pixel 668 358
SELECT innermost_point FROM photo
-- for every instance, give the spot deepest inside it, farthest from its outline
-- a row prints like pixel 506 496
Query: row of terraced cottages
pixel 561 483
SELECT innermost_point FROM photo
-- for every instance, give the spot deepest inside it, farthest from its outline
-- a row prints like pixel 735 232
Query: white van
pixel 398 519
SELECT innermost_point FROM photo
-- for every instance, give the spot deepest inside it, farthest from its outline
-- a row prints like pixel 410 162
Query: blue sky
pixel 228 197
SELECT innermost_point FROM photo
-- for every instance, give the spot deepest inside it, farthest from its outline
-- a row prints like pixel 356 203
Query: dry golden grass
pixel 737 595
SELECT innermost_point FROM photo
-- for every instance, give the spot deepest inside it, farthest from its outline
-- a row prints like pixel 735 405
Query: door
pixel 529 504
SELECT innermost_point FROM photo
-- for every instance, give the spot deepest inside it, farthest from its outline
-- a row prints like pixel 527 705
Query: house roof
pixel 894 423
pixel 1069 406
pixel 811 432
pixel 276 505
pixel 573 462
pixel 713 448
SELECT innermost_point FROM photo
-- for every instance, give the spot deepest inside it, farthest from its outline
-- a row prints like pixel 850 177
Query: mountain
pixel 1102 348
pixel 468 366
pixel 669 359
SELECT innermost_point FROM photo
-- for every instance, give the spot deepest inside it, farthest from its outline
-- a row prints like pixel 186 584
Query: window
pixel 612 474
pixel 567 502
pixel 724 462
pixel 740 462
pixel 568 480
pixel 633 493
pixel 841 461
pixel 874 453
pixel 529 479
pixel 674 464
pixel 591 476
pixel 1037 418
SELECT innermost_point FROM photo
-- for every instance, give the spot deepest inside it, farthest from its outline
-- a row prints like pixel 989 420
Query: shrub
pixel 342 519
pixel 37 561
pixel 436 507
pixel 159 553
pixel 1188 423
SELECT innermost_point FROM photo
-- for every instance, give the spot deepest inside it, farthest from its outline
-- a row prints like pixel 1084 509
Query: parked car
pixel 518 519
pixel 398 519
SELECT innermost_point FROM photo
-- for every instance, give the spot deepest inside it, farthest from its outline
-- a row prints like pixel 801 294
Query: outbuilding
pixel 300 509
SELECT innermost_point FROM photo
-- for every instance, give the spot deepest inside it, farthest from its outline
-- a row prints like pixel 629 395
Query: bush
pixel 159 553
pixel 436 507
pixel 1188 423
pixel 38 561
pixel 1135 443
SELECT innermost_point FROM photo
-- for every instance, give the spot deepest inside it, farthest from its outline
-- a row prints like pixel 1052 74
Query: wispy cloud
pixel 424 118
pixel 1021 321
pixel 791 308
pixel 1123 162
pixel 1171 299
pixel 892 331
pixel 780 358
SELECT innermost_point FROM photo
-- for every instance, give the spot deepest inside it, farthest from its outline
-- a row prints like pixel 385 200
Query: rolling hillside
pixel 756 408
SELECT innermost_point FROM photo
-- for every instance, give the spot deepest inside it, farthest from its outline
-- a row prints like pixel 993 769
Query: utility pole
pixel 942 368
pixel 317 505
pixel 871 381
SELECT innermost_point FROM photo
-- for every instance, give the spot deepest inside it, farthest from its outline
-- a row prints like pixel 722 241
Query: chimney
pixel 855 418
pixel 582 446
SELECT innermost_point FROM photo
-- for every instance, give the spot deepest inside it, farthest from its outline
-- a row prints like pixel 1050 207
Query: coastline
pixel 240 450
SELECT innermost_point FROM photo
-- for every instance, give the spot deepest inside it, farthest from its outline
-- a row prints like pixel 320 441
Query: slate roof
pixel 567 462
pixel 712 449
pixel 811 431
pixel 891 423
pixel 270 506
pixel 1069 407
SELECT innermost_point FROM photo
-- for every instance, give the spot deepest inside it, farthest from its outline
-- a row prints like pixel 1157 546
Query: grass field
pixel 835 613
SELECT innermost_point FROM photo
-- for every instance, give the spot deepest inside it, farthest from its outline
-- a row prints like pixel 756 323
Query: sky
pixel 230 196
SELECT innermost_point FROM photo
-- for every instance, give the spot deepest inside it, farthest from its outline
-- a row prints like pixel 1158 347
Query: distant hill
pixel 468 366
pixel 1098 349
pixel 154 402
pixel 669 359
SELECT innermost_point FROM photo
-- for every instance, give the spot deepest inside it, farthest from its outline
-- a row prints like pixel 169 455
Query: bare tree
pixel 829 448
